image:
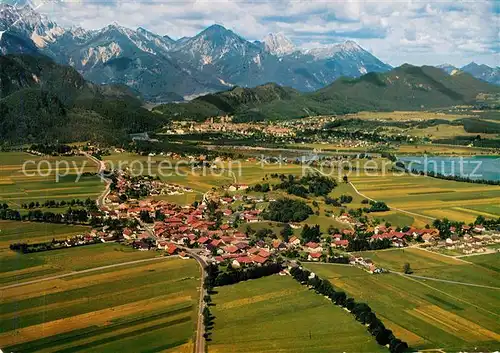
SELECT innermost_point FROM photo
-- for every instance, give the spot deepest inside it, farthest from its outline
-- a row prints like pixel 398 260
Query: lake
pixel 480 167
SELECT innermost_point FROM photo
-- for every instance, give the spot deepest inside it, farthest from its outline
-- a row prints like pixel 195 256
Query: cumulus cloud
pixel 419 32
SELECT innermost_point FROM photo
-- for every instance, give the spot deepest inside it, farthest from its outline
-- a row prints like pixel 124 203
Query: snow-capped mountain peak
pixel 25 21
pixel 278 44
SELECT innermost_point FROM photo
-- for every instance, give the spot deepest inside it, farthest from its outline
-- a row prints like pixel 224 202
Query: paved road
pixel 95 269
pixel 101 168
pixel 200 329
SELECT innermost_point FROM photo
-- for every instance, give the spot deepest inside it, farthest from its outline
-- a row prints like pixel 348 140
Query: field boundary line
pixel 451 296
pixel 392 208
pixel 89 270
pixel 446 281
pixel 369 198
pixel 436 253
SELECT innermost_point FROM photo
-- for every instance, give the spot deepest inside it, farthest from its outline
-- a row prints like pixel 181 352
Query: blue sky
pixel 398 31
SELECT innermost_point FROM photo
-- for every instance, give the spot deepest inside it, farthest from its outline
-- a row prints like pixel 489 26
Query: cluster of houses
pixel 180 229
pixel 468 244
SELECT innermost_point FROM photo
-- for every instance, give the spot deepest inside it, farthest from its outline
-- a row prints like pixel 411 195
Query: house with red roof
pixel 203 240
pixel 294 241
pixel 171 249
pixel 264 253
pixel 216 242
pixel 341 243
pixel 278 245
pixel 315 256
pixel 258 259
pixel 230 249
pixel 244 260
pixel 313 247
pixel 241 245
pixel 253 251
pixel 173 220
pixel 250 218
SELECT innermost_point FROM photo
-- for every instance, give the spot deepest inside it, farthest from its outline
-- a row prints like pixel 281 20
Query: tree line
pixel 88 203
pixel 400 166
pixel 218 278
pixel 48 246
pixel 361 311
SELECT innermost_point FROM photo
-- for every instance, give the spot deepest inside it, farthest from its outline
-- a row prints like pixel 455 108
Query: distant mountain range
pixel 404 88
pixel 482 72
pixel 42 101
pixel 163 69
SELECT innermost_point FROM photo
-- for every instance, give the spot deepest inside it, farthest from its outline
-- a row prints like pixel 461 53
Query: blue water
pixel 487 168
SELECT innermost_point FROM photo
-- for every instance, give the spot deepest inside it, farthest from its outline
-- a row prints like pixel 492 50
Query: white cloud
pixel 419 32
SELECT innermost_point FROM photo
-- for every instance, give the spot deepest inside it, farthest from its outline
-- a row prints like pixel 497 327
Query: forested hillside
pixel 41 100
pixel 404 88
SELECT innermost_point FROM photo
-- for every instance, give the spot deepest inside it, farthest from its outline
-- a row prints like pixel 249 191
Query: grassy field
pixel 39 181
pixel 145 307
pixel 431 264
pixel 277 314
pixel 15 267
pixel 426 314
pixel 14 232
pixel 489 261
pixel 431 197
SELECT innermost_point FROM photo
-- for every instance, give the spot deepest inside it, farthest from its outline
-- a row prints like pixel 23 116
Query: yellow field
pixel 103 309
pixel 429 196
pixel 426 314
pixel 406 116
pixel 25 178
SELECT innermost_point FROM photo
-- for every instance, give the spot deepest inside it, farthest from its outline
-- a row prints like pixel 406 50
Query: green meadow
pixel 428 315
pixel 278 314
pixel 25 178
pixel 431 197
pixel 147 307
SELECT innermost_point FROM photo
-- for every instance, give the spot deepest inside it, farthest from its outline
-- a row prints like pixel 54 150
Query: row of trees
pixel 70 216
pixel 88 203
pixel 361 311
pixel 493 224
pixel 52 149
pixel 217 278
pixel 48 246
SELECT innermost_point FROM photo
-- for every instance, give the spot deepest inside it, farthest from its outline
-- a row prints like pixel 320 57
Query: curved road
pixel 392 208
pixel 200 342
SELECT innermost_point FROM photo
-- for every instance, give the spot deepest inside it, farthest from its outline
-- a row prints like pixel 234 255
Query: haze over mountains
pixel 482 72
pixel 404 88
